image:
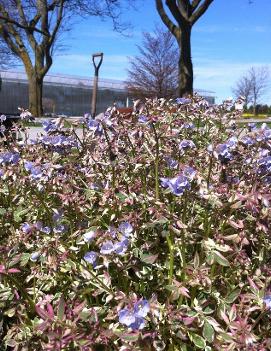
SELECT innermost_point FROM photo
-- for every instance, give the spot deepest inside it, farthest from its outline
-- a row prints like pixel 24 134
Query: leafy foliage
pixel 130 238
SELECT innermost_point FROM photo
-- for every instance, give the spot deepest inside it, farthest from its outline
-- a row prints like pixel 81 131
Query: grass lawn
pixel 251 115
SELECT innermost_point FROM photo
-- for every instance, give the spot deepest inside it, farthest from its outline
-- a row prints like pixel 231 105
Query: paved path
pixel 34 132
pixel 255 120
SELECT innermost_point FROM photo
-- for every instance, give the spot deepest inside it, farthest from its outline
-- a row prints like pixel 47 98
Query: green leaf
pixel 61 309
pixel 130 337
pixel 24 259
pixel 2 211
pixel 122 196
pixel 208 332
pixel 233 296
pixel 197 340
pixel 150 259
pixel 11 343
pixel 220 259
pixel 17 215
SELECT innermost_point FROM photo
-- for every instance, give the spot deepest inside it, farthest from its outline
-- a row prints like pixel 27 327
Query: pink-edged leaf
pixel 2 269
pixel 61 308
pixel 42 313
pixel 79 307
pixel 183 291
pixel 188 320
pixel 50 311
pixel 252 284
pixel 224 317
pixel 237 225
pixel 42 326
pixel 13 270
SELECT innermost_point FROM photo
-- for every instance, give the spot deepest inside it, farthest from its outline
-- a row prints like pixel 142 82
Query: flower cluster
pixel 134 317
pixel 143 231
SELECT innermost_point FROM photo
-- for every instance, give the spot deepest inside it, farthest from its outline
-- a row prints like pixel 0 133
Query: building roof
pixel 77 81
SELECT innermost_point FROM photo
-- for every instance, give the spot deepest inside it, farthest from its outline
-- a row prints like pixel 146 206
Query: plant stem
pixel 171 258
pixel 156 162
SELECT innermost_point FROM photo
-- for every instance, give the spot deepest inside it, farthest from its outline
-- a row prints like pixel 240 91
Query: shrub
pixel 148 233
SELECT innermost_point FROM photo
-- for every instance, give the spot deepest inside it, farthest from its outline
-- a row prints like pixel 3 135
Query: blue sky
pixel 232 36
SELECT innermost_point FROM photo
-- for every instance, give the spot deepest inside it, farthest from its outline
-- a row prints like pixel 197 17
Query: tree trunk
pixel 35 95
pixel 185 80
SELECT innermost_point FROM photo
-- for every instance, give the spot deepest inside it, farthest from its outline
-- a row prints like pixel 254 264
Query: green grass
pixel 251 115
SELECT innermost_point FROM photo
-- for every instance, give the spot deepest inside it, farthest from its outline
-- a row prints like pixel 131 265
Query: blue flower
pixel 138 324
pixel 188 125
pixel 95 126
pixel 264 152
pixel 247 140
pixel 125 228
pixel 112 231
pixel 46 230
pixel 35 256
pixel 58 141
pixel 121 247
pixel 267 301
pixel 232 142
pixel 165 182
pixel 183 101
pixel 223 153
pixel 267 134
pixel 107 248
pixel 189 172
pixel 2 118
pixel 142 119
pixel 27 228
pixel 57 216
pixel 126 317
pixel 60 228
pixel 10 157
pixel 142 308
pixel 89 236
pixel 177 185
pixel 135 318
pixel 172 164
pixel 28 165
pixel 49 126
pixel 186 144
pixel 91 257
pixel 264 165
pixel 36 172
pixel 251 126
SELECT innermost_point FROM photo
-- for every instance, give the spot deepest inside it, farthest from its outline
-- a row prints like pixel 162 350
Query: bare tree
pixel 253 85
pixel 185 14
pixel 33 48
pixel 154 72
pixel 243 88
pixel 31 29
pixel 6 56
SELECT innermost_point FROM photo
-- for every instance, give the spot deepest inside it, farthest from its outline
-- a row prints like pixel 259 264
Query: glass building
pixel 68 95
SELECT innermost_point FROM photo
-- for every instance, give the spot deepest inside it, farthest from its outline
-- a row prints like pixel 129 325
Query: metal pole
pixel 95 81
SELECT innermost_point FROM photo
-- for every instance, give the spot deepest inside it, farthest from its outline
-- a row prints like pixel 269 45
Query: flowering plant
pixel 149 232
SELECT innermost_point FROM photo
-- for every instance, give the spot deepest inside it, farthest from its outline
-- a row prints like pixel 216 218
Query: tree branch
pixel 19 25
pixel 171 26
pixel 200 11
pixel 195 4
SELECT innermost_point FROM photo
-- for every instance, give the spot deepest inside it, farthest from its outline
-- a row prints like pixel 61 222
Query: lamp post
pixel 97 65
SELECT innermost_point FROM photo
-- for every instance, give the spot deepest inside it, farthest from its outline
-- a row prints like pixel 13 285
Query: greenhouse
pixel 68 95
